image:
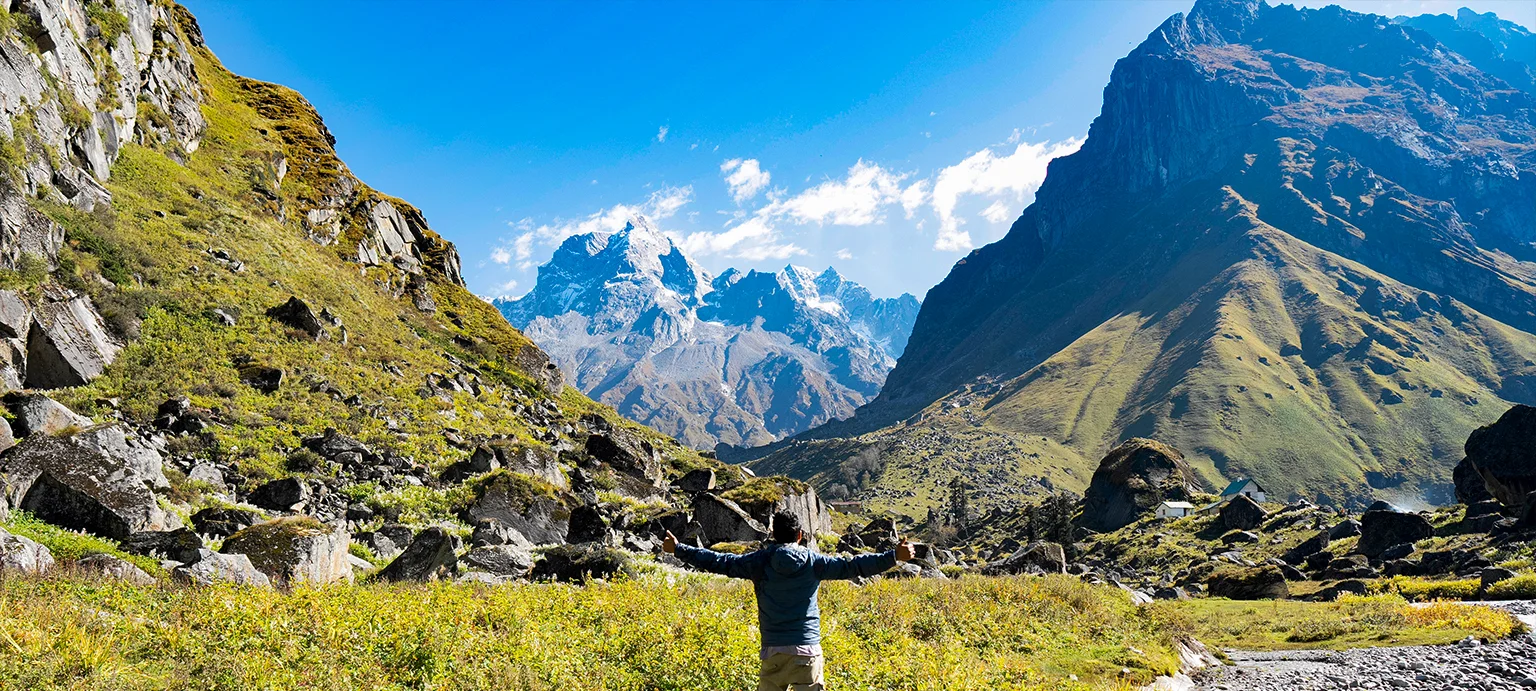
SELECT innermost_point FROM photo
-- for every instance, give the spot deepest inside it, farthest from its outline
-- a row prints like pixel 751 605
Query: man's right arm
pixel 732 565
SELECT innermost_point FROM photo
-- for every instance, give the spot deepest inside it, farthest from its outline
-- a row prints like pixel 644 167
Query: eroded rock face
pixel 294 550
pixel 70 482
pixel 1504 454
pixel 67 344
pixel 1132 480
pixel 1470 488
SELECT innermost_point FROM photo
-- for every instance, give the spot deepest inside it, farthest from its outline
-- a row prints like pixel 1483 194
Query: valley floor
pixel 662 630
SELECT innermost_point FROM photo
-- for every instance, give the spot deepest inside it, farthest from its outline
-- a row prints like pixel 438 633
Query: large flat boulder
pixel 1504 454
pixel 71 482
pixel 112 568
pixel 1035 558
pixel 626 452
pixel 722 520
pixel 294 550
pixel 1132 480
pixel 1262 583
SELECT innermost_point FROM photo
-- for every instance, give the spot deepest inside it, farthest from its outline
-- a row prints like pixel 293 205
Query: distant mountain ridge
pixel 742 358
pixel 1299 245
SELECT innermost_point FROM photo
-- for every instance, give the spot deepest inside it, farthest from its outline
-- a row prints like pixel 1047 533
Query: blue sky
pixel 885 139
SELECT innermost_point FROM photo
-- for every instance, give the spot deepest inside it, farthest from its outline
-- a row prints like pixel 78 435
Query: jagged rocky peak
pixel 740 358
pixel 1290 234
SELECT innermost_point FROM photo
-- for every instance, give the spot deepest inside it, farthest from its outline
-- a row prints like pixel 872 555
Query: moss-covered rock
pixel 295 549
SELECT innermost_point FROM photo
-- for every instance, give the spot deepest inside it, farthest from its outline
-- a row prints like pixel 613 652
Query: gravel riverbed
pixel 1505 665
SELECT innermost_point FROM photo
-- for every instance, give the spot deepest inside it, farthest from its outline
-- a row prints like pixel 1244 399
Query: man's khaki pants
pixel 785 672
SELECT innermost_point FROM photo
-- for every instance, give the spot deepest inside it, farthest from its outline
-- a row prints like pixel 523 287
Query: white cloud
pixel 661 134
pixel 744 178
pixel 914 196
pixel 505 289
pixel 998 212
pixel 523 246
pixel 1014 176
pixel 500 255
pixel 844 254
pixel 856 200
pixel 661 204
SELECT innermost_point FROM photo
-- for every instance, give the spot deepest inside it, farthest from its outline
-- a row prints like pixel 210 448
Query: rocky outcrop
pixel 1034 558
pixel 1504 454
pixel 512 501
pixel 740 358
pixel 284 494
pixel 294 550
pixel 180 545
pixel 626 452
pixel 23 555
pixel 69 481
pixel 1381 530
pixel 1132 480
pixel 428 558
pixel 1262 583
pixel 502 560
pixel 579 563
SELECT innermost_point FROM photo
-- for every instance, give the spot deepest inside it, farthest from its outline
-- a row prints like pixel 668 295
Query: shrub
pixel 1420 590
pixel 69 546
pixel 1521 587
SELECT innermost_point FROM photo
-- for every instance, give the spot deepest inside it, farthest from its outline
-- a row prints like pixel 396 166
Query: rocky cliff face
pixel 1297 244
pixel 231 327
pixel 738 359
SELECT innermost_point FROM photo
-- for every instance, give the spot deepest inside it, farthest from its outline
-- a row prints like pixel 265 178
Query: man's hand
pixel 904 551
pixel 669 543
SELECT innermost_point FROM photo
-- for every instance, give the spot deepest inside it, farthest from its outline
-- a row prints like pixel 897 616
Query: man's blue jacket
pixel 785 578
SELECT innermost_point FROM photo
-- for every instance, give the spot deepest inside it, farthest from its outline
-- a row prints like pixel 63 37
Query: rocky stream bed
pixel 1509 664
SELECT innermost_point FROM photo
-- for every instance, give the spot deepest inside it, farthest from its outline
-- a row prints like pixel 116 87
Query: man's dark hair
pixel 786 528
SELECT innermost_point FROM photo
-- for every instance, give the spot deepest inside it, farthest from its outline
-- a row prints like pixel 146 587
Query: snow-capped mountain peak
pixel 743 357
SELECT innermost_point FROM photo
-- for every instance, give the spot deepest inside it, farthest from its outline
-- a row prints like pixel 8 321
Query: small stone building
pixel 1175 509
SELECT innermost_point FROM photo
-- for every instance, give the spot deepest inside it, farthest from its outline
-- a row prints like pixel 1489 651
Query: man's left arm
pixel 730 565
pixel 865 565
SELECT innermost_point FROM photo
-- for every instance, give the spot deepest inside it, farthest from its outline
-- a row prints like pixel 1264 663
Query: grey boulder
pixel 38 414
pixel 70 482
pixel 213 567
pixel 428 558
pixel 21 554
pixel 67 344
pixel 722 520
pixel 294 550
pixel 113 568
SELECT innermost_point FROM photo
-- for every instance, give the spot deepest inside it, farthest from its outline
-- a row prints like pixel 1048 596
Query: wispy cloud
pixel 1014 176
pixel 843 254
pixel 661 204
pixel 500 255
pixel 744 178
pixel 856 200
pixel 661 134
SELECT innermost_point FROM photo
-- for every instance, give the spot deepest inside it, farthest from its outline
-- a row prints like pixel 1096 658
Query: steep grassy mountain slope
pixel 1297 245
pixel 739 358
pixel 191 201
